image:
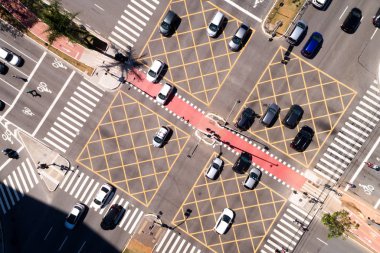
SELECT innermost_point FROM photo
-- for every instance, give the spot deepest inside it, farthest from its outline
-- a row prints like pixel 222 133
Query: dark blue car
pixel 313 45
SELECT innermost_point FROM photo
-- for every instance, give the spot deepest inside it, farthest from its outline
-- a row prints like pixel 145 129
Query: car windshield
pixel 9 57
pixel 215 165
pixel 157 139
pixel 161 96
pixel 213 27
pixel 226 218
pixel 236 40
pixel 151 73
pixel 253 175
pixel 97 201
pixel 165 25
pixel 71 218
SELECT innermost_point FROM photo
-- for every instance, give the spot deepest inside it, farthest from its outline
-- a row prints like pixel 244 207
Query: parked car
pixel 112 217
pixel 155 71
pixel 298 33
pixel 164 93
pixel 313 45
pixel 352 21
pixel 10 57
pixel 239 37
pixel 302 139
pixel 214 169
pixel 75 215
pixel 169 24
pixel 376 19
pixel 103 195
pixel 293 117
pixel 271 115
pixel 252 179
pixel 224 221
pixel 3 68
pixel 321 4
pixel 216 24
pixel 161 137
pixel 2 105
pixel 246 119
pixel 243 163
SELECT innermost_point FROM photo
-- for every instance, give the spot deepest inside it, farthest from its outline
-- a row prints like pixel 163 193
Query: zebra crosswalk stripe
pixel 13 188
pixel 81 187
pixel 5 199
pixel 87 189
pixel 9 192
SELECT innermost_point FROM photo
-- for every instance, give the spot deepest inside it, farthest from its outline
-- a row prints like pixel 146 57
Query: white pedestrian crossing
pixel 84 188
pixel 351 137
pixel 132 23
pixel 288 231
pixel 10 192
pixel 169 243
pixel 73 116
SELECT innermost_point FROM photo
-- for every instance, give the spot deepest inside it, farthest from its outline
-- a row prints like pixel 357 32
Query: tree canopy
pixel 338 224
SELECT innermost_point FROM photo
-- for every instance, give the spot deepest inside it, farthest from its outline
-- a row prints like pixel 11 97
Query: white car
pixel 214 169
pixel 160 137
pixel 102 195
pixel 252 179
pixel 224 222
pixel 320 4
pixel 155 71
pixel 237 41
pixel 74 216
pixel 10 57
pixel 164 93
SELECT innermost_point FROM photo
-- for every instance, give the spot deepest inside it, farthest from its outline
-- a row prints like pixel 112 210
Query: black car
pixel 2 105
pixel 3 68
pixel 293 117
pixel 376 19
pixel 112 217
pixel 302 139
pixel 246 119
pixel 243 163
pixel 352 21
pixel 169 24
pixel 271 115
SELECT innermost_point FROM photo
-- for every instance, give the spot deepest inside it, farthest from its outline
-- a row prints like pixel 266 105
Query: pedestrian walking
pixel 21 78
pixel 34 93
pixel 7 150
pixel 13 154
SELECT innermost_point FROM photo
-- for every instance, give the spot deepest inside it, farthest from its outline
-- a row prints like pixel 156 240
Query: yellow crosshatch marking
pixel 120 149
pixel 323 99
pixel 197 64
pixel 255 211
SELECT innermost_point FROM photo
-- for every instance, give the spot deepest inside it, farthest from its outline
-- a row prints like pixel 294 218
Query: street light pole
pixel 229 114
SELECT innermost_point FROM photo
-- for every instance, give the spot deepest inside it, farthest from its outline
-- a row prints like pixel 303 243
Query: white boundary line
pixel 244 10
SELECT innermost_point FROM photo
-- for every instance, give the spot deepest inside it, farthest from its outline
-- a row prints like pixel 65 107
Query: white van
pixel 298 33
pixel 216 24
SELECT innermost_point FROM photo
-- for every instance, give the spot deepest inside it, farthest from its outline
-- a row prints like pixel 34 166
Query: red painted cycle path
pixel 197 119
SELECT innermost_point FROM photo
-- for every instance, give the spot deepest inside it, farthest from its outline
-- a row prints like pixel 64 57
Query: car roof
pixel 156 65
pixel 218 161
pixel 162 131
pixel 242 30
pixel 166 88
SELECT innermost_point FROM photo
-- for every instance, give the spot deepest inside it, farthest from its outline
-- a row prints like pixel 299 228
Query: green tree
pixel 338 224
pixel 61 23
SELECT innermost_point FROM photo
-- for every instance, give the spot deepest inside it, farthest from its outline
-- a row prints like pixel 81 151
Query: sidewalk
pixel 367 235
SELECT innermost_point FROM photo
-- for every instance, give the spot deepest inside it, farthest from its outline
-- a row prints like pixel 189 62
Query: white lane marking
pixel 122 39
pixel 117 43
pixel 128 28
pixel 16 49
pixel 9 192
pixel 150 5
pixel 27 174
pixel 92 192
pixel 58 140
pixel 244 10
pixel 80 103
pixel 180 246
pixel 13 188
pixel 142 7
pixel 47 234
pixel 134 17
pixel 321 241
pixel 72 180
pixel 130 219
pixel 174 244
pixel 128 20
pixel 63 243
pixel 87 189
pixel 72 120
pixel 80 249
pixel 55 145
pixel 92 89
pixel 53 104
pixel 136 222
pixel 78 109
pixel 76 183
pixel 138 12
pixel 64 129
pixel 362 165
pixel 22 179
pixel 24 86
pixel 81 187
pixel 88 94
pixel 349 140
pixel 85 99
pixel 61 134
pixel 125 34
pixel 32 171
pixel 374 32
pixel 100 8
pixel 74 114
pixel 162 240
pixel 6 200
pixel 341 15
pixel 377 204
pixel 68 124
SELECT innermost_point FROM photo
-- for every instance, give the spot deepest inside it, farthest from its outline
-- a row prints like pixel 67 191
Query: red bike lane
pixel 197 119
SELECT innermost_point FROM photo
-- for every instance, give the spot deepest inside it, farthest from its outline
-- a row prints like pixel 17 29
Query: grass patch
pixel 284 11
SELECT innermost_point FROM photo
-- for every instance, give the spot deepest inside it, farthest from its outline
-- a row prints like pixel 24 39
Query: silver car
pixel 160 137
pixel 74 216
pixel 214 169
pixel 252 179
pixel 239 37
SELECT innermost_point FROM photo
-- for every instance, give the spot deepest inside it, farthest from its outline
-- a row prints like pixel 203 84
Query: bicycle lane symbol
pixel 368 189
pixel 58 64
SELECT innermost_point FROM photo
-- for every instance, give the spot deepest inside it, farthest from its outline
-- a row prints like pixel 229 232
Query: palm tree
pixel 127 61
pixel 61 23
